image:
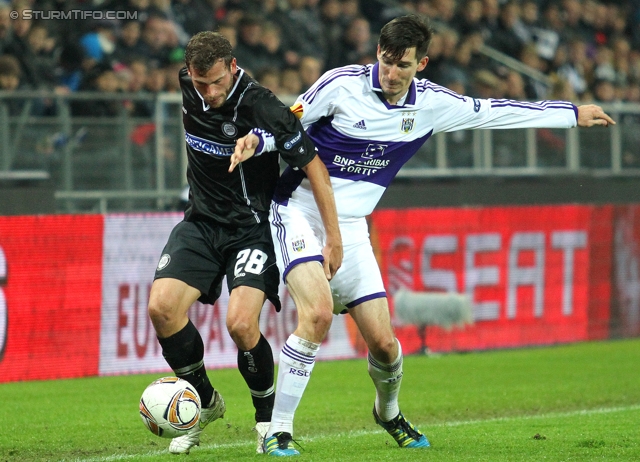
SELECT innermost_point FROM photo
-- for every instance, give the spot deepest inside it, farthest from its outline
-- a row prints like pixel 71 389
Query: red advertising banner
pixel 625 302
pixel 50 276
pixel 74 288
pixel 534 274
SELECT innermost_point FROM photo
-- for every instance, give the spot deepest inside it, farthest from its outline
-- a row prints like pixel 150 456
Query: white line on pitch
pixel 239 444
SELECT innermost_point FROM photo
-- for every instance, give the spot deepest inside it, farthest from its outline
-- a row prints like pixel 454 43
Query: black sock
pixel 184 352
pixel 256 367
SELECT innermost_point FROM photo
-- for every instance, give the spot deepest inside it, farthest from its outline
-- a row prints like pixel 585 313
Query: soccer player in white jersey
pixel 366 122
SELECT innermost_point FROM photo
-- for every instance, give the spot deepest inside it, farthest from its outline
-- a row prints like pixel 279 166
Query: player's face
pixel 396 76
pixel 215 85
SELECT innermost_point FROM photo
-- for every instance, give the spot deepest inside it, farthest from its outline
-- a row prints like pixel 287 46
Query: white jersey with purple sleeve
pixel 364 141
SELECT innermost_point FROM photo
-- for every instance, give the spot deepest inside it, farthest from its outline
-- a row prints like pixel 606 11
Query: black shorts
pixel 201 254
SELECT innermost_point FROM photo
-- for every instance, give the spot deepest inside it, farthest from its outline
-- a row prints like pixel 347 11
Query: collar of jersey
pixel 409 98
pixel 239 73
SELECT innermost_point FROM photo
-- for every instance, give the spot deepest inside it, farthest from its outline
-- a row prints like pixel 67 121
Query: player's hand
pixel 590 115
pixel 332 253
pixel 245 148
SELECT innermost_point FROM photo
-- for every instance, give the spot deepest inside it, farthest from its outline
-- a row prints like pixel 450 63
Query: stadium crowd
pixel 590 49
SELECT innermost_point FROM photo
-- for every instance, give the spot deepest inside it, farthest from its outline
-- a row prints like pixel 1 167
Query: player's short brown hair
pixel 205 49
pixel 405 32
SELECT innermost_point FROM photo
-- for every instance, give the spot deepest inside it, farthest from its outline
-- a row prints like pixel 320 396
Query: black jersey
pixel 242 197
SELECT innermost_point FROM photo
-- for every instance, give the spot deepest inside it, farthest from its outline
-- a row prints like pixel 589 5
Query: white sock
pixel 297 358
pixel 387 379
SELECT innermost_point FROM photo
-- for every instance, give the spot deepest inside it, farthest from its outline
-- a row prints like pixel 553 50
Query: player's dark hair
pixel 405 32
pixel 205 49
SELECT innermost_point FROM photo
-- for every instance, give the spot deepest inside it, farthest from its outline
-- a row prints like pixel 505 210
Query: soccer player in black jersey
pixel 225 230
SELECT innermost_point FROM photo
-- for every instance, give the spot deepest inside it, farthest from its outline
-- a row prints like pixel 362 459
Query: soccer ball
pixel 170 407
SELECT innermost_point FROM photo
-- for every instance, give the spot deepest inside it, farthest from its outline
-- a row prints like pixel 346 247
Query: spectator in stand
pixel 270 11
pixel 514 86
pixel 436 59
pixel 604 68
pixel 379 18
pixel 155 44
pixel 604 91
pixel 269 77
pixel 156 80
pixel 101 78
pixel 425 8
pixel 505 38
pixel 457 68
pixel 193 16
pixel 486 85
pixel 70 70
pixel 139 108
pixel 250 50
pixel 350 9
pixel 138 68
pixel 529 18
pixel 164 9
pixel 128 43
pixel 172 71
pixel 578 67
pixel 332 23
pixel 99 43
pixel 310 70
pixel 356 42
pixel 302 31
pixel 634 66
pixel 230 32
pixel 546 39
pixel 450 40
pixel 10 73
pixel 18 46
pixel 6 32
pixel 621 54
pixel 536 90
pixel 143 8
pixel 552 19
pixel 490 18
pixel 444 10
pixel 290 82
pixel 42 48
pixel 572 13
pixel 469 18
pixel 272 41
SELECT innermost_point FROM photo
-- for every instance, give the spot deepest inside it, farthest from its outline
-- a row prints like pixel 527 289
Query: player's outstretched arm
pixel 590 115
pixel 245 148
pixel 323 194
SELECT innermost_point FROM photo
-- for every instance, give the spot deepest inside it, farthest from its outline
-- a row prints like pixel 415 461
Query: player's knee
pixel 384 348
pixel 158 310
pixel 321 319
pixel 243 332
pixel 161 313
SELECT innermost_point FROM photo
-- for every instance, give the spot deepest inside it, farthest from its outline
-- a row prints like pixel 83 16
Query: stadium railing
pixel 102 158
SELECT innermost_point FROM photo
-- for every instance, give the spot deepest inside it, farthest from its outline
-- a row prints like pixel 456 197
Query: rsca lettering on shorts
pixel 293 141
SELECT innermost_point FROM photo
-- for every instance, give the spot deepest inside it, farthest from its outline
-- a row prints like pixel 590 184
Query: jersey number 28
pixel 250 261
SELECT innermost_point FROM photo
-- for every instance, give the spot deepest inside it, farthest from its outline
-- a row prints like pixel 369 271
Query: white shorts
pixel 298 236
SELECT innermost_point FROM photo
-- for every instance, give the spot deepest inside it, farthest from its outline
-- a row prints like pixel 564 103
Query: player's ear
pixel 233 66
pixel 422 64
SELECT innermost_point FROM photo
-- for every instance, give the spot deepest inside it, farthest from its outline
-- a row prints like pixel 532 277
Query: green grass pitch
pixel 575 402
